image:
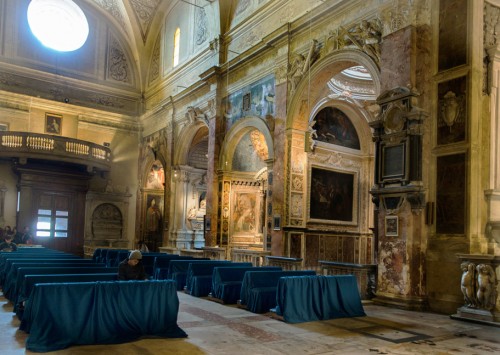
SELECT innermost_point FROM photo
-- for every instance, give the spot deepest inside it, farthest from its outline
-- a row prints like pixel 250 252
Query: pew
pixel 177 269
pixel 161 263
pixel 258 289
pixel 30 280
pixel 226 282
pixel 199 276
pixel 58 315
pixel 23 271
pixel 311 298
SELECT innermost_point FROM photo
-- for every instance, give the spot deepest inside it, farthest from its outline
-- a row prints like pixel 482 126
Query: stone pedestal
pixel 480 287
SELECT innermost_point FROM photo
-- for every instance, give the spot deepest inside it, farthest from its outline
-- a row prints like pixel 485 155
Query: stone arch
pixel 234 135
pixel 185 140
pixel 320 73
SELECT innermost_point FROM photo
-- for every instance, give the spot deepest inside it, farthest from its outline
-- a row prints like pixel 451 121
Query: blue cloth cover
pixel 199 277
pixel 312 298
pixel 64 314
pixel 257 279
pixel 226 281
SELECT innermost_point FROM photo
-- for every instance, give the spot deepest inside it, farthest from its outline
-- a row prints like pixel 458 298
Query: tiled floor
pixel 218 329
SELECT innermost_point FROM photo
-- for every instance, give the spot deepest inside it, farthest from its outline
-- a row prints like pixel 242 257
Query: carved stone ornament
pixel 451 109
pixel 478 285
pixel 394 119
pixel 194 114
pixel 201 26
pixel 117 62
pixel 365 36
pixel 300 65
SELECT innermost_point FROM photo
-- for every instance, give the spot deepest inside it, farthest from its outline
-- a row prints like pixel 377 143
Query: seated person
pixel 8 244
pixel 132 268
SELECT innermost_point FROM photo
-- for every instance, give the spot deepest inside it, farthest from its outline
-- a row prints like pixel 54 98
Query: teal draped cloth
pixel 59 315
pixel 312 298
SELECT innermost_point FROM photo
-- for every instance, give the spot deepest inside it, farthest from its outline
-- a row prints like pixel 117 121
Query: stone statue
pixel 467 283
pixel 486 282
pixel 299 65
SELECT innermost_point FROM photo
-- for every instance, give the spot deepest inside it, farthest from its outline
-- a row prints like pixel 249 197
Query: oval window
pixel 58 24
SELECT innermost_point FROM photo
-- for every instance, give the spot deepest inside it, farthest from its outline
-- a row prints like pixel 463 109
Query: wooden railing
pixel 256 257
pixel 366 275
pixel 24 145
pixel 284 262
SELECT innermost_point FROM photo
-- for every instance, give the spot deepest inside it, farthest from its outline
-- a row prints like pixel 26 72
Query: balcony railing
pixel 25 145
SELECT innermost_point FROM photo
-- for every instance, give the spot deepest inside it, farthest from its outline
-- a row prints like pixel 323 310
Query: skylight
pixel 58 24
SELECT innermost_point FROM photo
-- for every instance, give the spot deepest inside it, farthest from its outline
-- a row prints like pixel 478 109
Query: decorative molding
pixel 144 11
pixel 118 68
pixel 201 26
pixel 112 7
pixel 491 22
pixel 154 68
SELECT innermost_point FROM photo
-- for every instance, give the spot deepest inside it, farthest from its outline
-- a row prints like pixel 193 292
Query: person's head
pixel 8 238
pixel 134 257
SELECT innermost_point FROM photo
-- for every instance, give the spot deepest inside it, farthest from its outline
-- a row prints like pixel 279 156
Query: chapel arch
pixel 330 180
pixel 246 161
pixel 189 185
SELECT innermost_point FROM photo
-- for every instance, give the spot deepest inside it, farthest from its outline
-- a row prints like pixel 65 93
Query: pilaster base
pixel 199 240
pixel 407 303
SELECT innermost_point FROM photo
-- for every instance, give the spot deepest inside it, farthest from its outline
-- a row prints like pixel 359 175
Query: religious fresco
pixel 250 152
pixel 452 115
pixel 331 125
pixel 244 216
pixel 450 194
pixel 256 100
pixel 331 195
pixel 156 177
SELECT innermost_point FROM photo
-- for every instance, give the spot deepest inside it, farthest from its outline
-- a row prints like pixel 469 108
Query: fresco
pixel 246 156
pixel 331 195
pixel 256 100
pixel 156 177
pixel 334 127
pixel 244 214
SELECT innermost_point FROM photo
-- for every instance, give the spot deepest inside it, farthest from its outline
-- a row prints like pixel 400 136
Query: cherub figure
pixel 486 282
pixel 467 283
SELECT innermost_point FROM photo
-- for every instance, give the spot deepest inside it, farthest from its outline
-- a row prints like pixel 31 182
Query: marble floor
pixel 218 329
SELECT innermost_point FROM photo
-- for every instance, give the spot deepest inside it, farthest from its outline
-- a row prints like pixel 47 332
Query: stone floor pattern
pixel 218 329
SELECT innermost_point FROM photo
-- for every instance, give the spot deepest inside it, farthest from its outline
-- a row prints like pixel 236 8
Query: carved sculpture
pixel 365 36
pixel 486 282
pixel 300 65
pixel 467 283
pixel 478 285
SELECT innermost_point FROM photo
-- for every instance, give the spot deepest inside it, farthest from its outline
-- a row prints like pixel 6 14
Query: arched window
pixel 177 37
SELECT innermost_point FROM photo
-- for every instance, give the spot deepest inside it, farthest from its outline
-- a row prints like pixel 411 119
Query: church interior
pixel 345 137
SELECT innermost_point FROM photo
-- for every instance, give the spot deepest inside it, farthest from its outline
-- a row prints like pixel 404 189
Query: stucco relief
pixel 365 36
pixel 300 64
pixel 112 7
pixel 154 69
pixel 491 25
pixel 296 209
pixel 118 68
pixel 201 26
pixel 144 11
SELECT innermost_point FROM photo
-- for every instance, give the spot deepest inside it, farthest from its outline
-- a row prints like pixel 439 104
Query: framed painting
pixel 277 222
pixel 391 226
pixel 53 123
pixel 333 196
